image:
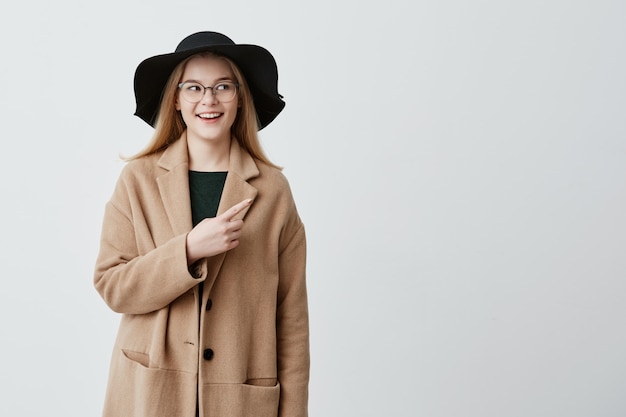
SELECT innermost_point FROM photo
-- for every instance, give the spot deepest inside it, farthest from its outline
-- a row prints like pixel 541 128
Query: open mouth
pixel 209 116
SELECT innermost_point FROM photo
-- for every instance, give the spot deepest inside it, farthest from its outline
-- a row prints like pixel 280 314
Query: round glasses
pixel 193 91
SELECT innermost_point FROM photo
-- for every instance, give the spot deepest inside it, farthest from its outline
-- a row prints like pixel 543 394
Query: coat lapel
pixel 174 186
pixel 236 189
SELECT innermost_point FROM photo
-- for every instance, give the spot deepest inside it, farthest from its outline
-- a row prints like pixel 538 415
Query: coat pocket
pixel 141 358
pixel 226 400
pixel 262 382
pixel 137 390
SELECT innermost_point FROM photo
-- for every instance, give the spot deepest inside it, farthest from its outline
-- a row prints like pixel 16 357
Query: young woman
pixel 202 249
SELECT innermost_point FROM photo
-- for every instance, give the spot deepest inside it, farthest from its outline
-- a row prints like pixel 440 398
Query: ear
pixel 177 104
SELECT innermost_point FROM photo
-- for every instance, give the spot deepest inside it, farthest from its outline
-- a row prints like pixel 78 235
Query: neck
pixel 208 156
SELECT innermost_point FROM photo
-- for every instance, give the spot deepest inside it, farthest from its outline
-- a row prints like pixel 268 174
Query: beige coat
pixel 245 352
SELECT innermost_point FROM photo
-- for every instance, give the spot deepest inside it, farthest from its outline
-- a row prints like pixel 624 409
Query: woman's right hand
pixel 216 235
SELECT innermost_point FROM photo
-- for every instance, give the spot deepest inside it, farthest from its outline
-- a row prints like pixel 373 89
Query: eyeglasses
pixel 193 92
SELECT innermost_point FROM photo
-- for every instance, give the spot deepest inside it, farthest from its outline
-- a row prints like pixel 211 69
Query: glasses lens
pixel 192 92
pixel 225 92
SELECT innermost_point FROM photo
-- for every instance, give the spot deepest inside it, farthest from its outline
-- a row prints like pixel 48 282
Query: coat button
pixel 208 354
pixel 209 304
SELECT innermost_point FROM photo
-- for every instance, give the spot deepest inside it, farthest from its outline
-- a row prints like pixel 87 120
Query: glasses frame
pixel 212 88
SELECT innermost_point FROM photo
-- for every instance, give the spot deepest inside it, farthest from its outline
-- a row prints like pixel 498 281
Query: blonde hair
pixel 170 125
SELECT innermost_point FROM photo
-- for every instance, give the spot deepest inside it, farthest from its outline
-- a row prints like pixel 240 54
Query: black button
pixel 208 354
pixel 209 304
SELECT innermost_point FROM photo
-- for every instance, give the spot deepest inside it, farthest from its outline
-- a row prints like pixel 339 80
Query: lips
pixel 209 116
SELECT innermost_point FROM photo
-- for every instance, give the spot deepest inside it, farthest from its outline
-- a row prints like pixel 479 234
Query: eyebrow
pixel 216 81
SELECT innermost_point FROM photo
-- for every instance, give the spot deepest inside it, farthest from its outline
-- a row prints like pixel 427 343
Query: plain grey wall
pixel 460 167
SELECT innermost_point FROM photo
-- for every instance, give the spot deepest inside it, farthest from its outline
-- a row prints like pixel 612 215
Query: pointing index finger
pixel 232 212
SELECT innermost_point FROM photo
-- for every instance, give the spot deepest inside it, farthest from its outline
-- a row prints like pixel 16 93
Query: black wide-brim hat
pixel 255 62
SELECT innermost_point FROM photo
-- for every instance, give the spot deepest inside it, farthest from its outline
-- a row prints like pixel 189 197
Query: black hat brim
pixel 255 62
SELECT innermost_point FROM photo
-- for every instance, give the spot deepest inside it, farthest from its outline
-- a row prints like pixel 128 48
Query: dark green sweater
pixel 205 190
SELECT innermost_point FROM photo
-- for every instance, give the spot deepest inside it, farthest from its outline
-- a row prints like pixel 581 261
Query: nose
pixel 208 96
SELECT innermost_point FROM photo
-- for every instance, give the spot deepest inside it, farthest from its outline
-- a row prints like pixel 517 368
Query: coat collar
pixel 174 184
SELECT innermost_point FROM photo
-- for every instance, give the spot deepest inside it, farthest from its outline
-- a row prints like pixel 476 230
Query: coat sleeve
pixel 137 283
pixel 292 325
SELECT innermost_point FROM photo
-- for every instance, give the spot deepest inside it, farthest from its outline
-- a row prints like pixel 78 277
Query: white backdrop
pixel 460 167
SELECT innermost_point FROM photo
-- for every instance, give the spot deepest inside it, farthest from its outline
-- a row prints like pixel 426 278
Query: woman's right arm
pixel 135 280
pixel 135 283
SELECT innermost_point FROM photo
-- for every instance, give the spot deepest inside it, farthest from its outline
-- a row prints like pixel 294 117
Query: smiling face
pixel 209 119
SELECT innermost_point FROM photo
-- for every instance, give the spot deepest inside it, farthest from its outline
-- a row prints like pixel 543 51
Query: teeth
pixel 209 115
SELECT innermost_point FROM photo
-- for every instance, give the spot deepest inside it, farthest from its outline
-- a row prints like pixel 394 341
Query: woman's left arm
pixel 292 325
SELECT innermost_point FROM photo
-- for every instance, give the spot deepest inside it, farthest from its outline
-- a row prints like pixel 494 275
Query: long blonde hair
pixel 170 125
